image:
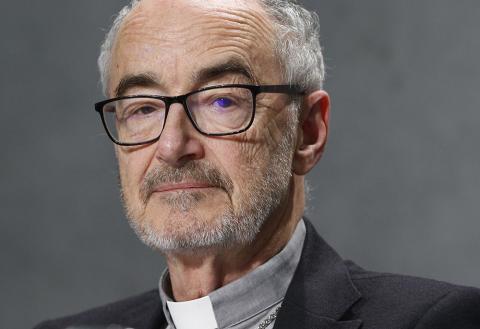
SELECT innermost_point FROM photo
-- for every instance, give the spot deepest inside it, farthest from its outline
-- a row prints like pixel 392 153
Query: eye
pixel 141 112
pixel 223 102
pixel 144 110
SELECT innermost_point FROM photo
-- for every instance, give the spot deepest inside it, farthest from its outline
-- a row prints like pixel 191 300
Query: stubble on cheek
pixel 131 203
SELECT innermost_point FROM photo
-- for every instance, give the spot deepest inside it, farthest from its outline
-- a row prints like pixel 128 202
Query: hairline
pixel 311 81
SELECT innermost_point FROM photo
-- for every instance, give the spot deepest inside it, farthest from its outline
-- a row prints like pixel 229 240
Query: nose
pixel 179 141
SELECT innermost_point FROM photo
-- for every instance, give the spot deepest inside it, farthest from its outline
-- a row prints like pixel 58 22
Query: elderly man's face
pixel 187 190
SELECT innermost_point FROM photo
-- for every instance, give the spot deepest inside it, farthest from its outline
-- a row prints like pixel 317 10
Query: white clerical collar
pixel 193 314
pixel 241 303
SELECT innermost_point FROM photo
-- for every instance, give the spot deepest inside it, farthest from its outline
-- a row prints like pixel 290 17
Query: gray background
pixel 398 189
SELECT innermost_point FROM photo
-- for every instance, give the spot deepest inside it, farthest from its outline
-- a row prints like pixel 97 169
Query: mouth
pixel 179 187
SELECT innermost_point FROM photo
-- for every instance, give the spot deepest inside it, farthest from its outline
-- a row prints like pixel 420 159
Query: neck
pixel 195 275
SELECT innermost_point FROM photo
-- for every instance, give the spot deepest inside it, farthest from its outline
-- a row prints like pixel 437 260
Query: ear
pixel 313 131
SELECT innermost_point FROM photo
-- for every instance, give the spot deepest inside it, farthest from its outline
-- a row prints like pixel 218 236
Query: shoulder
pixel 423 303
pixel 124 312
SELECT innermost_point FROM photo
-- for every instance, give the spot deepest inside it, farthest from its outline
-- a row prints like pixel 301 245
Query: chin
pixel 182 227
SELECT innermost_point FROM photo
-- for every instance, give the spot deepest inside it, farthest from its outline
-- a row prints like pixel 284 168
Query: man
pixel 214 178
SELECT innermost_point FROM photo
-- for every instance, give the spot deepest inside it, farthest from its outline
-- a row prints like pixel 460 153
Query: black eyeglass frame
pixel 182 99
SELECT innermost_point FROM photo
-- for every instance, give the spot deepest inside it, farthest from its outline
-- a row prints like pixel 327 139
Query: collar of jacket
pixel 321 291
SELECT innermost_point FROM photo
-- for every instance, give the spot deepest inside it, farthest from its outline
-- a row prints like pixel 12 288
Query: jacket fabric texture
pixel 326 292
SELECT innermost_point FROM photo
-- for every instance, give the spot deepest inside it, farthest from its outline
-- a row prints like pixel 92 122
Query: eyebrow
pixel 233 66
pixel 135 80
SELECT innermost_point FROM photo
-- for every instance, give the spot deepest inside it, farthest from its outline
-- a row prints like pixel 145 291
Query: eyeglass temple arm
pixel 281 89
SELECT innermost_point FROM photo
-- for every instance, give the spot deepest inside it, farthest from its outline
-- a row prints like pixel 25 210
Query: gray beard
pixel 261 197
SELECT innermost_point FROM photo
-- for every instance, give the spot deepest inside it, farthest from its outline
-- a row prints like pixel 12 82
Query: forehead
pixel 172 38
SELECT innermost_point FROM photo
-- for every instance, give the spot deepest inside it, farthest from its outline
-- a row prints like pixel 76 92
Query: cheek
pixel 259 142
pixel 243 159
pixel 133 164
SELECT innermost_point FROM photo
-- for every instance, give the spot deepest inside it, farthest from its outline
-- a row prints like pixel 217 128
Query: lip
pixel 181 187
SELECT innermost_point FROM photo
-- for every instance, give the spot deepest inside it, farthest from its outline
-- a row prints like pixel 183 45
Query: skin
pixel 172 40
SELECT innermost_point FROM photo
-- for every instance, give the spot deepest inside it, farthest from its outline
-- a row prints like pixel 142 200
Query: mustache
pixel 203 172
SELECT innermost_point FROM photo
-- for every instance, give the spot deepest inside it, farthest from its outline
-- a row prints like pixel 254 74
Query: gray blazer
pixel 326 292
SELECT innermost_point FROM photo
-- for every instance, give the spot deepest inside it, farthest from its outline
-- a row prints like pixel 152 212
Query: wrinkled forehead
pixel 175 38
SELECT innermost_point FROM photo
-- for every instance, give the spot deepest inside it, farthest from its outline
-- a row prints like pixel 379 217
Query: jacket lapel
pixel 155 319
pixel 321 291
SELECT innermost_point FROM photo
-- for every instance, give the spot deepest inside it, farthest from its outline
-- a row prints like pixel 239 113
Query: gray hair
pixel 296 43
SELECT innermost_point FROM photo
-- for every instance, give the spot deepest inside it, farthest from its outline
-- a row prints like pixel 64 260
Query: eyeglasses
pixel 214 111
